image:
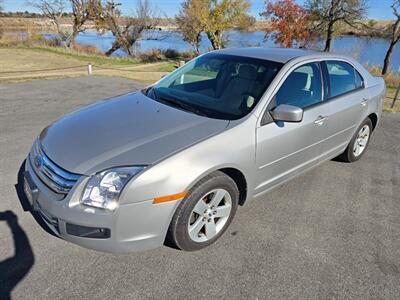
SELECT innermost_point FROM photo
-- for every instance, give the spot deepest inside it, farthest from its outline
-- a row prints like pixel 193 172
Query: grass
pixel 17 60
pixel 392 82
pixel 389 99
pixel 84 57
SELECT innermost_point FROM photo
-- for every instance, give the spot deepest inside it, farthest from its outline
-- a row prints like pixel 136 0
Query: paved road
pixel 332 233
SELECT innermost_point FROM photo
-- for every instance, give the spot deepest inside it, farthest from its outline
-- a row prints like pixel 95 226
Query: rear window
pixel 343 78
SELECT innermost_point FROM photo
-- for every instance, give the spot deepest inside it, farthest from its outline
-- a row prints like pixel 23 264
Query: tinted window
pixel 302 88
pixel 217 85
pixel 343 78
pixel 205 70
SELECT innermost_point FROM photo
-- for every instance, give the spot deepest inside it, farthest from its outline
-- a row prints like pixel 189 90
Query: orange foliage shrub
pixel 289 23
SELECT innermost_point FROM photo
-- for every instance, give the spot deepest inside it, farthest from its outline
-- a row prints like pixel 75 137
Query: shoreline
pixel 37 24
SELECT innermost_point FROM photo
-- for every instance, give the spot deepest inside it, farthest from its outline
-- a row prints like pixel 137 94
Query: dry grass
pixel 392 82
pixel 153 55
pixel 87 49
pixel 391 79
pixel 389 99
pixel 16 61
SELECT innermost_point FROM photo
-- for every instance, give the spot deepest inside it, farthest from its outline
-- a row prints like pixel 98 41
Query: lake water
pixel 369 51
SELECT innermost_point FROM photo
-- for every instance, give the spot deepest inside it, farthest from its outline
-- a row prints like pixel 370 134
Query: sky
pixel 378 9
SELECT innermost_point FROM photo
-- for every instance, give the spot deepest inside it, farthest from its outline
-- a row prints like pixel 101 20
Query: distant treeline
pixel 27 14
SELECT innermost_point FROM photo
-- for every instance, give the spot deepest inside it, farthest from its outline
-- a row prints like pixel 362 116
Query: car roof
pixel 282 55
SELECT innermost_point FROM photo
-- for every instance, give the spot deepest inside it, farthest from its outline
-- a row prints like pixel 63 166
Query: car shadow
pixel 15 268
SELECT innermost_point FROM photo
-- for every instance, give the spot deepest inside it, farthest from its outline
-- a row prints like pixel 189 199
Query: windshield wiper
pixel 175 103
pixel 179 104
pixel 182 105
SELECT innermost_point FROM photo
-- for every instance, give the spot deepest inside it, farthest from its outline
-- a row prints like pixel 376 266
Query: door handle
pixel 364 101
pixel 320 120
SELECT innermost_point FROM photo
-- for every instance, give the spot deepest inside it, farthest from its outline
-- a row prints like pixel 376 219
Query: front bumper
pixel 133 227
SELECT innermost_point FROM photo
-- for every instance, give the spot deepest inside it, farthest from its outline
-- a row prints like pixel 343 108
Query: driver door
pixel 284 148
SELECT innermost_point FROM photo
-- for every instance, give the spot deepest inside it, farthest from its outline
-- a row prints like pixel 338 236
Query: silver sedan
pixel 175 160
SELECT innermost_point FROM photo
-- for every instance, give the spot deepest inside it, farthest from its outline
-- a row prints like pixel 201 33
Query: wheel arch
pixel 240 180
pixel 374 119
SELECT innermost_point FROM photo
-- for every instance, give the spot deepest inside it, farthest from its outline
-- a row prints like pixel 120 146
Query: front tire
pixel 359 143
pixel 205 213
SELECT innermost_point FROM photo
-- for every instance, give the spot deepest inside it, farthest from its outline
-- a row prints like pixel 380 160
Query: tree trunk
pixel 196 44
pixel 114 47
pixel 212 40
pixel 72 38
pixel 393 42
pixel 130 51
pixel 59 32
pixel 329 35
pixel 386 62
pixel 215 40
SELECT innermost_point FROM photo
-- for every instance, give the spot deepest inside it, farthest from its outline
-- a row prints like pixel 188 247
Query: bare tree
pixel 80 12
pixel 52 9
pixel 394 37
pixel 326 14
pixel 1 9
pixel 126 30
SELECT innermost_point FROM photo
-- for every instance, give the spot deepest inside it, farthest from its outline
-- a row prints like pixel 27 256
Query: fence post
pixel 395 96
pixel 89 69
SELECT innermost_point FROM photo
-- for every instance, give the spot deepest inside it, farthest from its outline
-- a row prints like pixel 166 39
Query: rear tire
pixel 205 213
pixel 359 142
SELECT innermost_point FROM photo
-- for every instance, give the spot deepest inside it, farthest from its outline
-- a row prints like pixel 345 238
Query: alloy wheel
pixel 361 141
pixel 209 215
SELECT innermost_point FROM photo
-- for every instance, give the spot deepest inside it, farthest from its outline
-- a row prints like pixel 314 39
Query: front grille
pixel 57 179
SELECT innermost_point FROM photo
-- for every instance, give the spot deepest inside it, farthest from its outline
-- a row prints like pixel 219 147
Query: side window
pixel 343 78
pixel 302 88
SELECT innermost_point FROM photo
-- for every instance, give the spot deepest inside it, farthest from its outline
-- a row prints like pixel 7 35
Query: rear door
pixel 348 104
pixel 284 148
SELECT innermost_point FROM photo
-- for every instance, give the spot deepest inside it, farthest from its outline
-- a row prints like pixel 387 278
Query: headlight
pixel 103 189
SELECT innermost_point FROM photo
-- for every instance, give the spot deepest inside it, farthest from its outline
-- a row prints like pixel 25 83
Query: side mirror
pixel 287 113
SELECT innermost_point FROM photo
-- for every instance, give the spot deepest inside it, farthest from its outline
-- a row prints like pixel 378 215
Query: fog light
pixel 88 232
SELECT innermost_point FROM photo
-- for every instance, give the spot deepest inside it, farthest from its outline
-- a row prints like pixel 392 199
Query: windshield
pixel 216 85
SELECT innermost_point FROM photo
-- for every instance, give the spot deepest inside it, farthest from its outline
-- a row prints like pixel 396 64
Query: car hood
pixel 127 130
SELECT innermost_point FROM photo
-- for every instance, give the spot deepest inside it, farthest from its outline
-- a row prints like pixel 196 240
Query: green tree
pixel 326 15
pixel 220 16
pixel 189 23
pixel 213 17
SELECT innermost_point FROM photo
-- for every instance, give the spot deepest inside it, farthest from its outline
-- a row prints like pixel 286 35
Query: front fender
pixel 233 148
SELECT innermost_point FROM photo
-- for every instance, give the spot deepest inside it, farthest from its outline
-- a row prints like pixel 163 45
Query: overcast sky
pixel 378 9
